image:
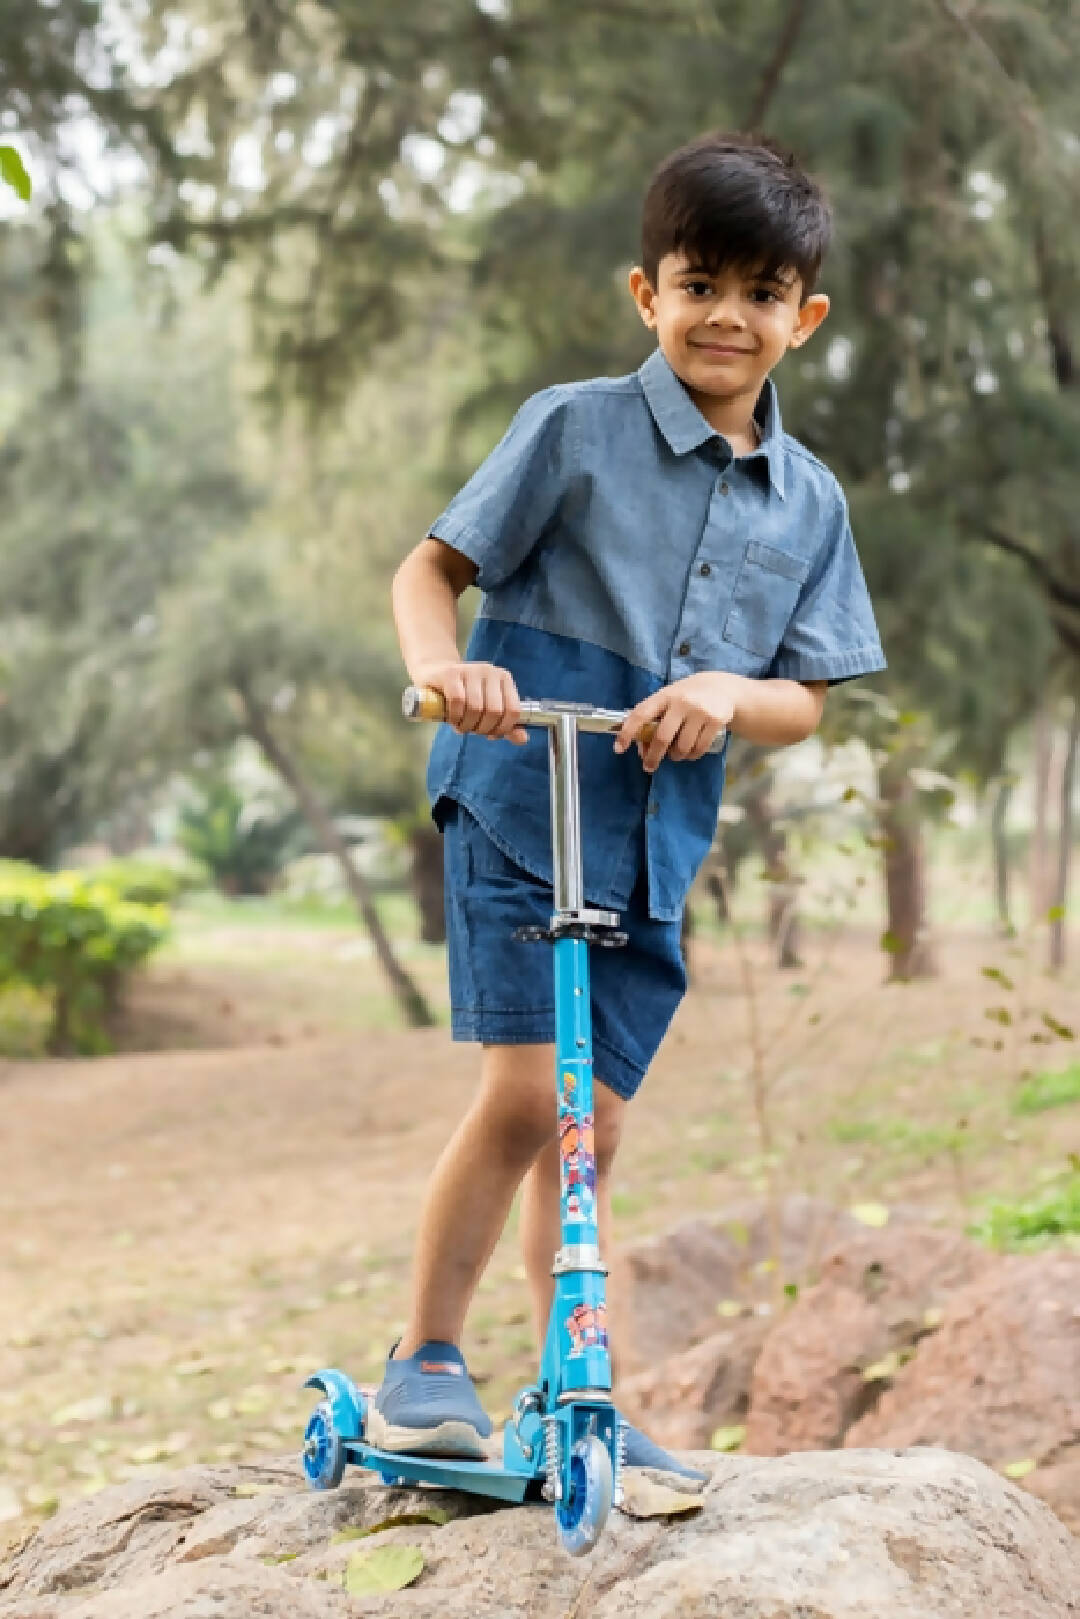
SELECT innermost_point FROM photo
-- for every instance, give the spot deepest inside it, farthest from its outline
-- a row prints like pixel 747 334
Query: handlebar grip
pixel 423 703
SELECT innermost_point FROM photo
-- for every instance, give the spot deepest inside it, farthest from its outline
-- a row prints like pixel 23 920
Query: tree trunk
pixel 719 881
pixel 426 877
pixel 685 936
pixel 1038 858
pixel 417 1013
pixel 907 941
pixel 784 929
pixel 1065 833
pixel 1000 845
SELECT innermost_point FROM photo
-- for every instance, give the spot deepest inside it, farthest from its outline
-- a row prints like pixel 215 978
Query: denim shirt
pixel 621 546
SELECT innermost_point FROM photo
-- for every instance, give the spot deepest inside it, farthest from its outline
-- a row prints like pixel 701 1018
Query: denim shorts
pixel 502 988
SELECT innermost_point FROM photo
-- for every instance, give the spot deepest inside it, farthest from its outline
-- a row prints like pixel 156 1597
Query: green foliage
pixel 1048 1090
pixel 242 844
pixel 13 172
pixel 1047 1217
pixel 148 882
pixel 77 940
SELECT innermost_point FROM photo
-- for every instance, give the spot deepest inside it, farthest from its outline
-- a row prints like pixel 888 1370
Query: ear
pixel 644 295
pixel 811 314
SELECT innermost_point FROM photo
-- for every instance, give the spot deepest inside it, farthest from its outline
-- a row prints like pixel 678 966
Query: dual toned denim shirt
pixel 620 546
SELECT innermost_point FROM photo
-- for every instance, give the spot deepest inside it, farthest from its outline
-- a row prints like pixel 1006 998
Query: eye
pixel 697 289
pixel 766 295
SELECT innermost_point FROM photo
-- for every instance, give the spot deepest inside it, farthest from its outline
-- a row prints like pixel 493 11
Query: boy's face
pixel 722 334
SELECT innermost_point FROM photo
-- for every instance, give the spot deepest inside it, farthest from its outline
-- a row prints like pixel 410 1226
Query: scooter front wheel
pixel 323 1453
pixel 582 1513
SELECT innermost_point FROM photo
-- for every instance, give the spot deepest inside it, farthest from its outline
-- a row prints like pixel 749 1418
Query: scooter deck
pixel 490 1478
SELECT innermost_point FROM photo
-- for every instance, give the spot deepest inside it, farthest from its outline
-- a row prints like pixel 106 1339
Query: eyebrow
pixel 753 275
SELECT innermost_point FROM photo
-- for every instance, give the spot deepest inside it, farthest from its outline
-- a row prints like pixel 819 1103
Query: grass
pixel 1048 1217
pixel 1057 1089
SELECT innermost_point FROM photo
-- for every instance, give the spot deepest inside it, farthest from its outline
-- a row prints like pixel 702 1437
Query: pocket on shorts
pixel 765 596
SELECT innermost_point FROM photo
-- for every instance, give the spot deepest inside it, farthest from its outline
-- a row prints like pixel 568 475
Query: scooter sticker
pixel 586 1326
pixel 577 1145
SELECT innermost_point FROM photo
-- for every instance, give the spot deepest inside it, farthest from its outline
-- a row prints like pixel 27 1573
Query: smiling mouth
pixel 721 348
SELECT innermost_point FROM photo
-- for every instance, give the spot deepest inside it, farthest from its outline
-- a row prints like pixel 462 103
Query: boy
pixel 654 543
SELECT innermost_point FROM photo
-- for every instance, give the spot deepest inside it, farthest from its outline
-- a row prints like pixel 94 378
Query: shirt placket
pixel 710 584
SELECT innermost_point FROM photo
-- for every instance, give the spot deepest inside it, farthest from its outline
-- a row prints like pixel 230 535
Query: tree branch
pixel 770 81
pixel 1063 598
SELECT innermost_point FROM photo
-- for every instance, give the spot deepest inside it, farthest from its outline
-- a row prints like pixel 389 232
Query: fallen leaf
pixel 728 1438
pixel 435 1515
pixel 642 1498
pixel 871 1214
pixel 384 1568
pixel 1020 1469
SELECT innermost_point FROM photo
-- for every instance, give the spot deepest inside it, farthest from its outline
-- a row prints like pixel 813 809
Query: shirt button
pixel 724 489
pixel 652 807
pixel 705 570
pixel 684 648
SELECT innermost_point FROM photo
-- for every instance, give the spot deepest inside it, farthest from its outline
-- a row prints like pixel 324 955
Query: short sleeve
pixel 501 512
pixel 832 634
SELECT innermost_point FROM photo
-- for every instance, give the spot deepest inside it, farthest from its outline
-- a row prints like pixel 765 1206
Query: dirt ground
pixel 187 1233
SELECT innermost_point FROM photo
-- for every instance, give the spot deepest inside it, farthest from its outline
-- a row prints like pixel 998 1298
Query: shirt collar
pixel 685 428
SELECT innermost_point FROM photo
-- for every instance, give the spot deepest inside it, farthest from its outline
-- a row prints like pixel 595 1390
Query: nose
pixel 726 311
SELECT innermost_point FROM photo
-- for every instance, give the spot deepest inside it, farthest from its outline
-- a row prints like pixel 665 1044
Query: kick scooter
pixel 565 1434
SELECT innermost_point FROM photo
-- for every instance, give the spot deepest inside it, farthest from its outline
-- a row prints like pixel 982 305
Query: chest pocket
pixel 766 591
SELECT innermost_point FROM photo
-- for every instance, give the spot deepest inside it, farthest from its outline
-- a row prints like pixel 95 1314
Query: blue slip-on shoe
pixel 427 1406
pixel 641 1451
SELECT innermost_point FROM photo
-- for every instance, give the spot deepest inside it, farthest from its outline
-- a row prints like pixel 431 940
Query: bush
pixel 146 881
pixel 77 940
pixel 243 845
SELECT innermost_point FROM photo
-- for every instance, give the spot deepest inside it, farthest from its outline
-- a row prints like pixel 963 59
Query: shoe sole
pixel 455 1439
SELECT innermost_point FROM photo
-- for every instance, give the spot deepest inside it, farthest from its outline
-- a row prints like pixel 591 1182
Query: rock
pixel 1001 1379
pixel 879 1294
pixel 683 1402
pixel 676 1281
pixel 839 1535
pixel 1059 1486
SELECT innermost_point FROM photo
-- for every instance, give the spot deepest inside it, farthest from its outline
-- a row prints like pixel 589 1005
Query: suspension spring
pixel 622 1428
pixel 552 1490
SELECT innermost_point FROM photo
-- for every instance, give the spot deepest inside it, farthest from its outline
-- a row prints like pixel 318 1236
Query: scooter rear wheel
pixel 582 1513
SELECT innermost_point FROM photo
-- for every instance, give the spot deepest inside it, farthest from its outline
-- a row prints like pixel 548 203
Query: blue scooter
pixel 565 1434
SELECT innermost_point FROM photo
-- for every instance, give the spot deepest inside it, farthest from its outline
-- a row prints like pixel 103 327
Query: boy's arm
pixel 691 713
pixel 479 696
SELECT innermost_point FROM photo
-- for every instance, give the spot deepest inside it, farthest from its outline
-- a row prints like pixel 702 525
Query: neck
pixel 732 416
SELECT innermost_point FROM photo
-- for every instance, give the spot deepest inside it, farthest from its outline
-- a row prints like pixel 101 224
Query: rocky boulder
pixel 831 1355
pixel 842 1535
pixel 1000 1380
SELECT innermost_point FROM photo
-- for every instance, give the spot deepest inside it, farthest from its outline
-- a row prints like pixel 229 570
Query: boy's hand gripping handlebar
pixel 424 703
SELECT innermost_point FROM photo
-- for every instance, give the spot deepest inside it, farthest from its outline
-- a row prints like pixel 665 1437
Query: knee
pixel 521 1120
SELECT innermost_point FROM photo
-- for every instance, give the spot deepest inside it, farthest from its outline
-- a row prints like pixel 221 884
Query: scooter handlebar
pixel 425 703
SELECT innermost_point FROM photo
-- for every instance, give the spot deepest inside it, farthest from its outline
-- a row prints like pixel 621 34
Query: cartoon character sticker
pixel 586 1326
pixel 577 1146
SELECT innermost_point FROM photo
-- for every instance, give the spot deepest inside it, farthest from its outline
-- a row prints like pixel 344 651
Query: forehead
pixel 682 263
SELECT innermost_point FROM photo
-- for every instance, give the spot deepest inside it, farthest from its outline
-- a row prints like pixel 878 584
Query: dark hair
pixel 729 199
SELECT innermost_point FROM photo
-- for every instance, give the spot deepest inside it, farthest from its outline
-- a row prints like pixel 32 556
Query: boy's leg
pixel 426 1401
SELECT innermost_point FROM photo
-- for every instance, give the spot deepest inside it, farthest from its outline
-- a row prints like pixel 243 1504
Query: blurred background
pixel 274 275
